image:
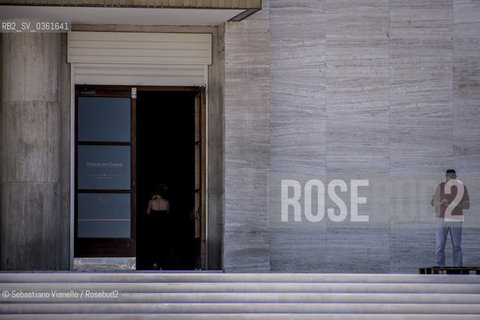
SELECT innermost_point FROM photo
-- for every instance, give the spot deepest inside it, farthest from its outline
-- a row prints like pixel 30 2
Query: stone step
pixel 219 296
pixel 268 298
pixel 198 277
pixel 241 316
pixel 259 308
pixel 238 287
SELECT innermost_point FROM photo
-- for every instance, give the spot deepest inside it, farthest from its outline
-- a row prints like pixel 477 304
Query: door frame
pixel 200 98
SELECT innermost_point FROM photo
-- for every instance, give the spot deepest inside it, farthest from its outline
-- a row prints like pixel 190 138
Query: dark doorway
pixel 165 153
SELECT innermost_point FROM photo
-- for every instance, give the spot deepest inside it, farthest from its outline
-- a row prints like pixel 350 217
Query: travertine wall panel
pixel 358 122
pixel 357 29
pixel 357 249
pixel 396 99
pixel 298 248
pixel 246 242
pixel 420 122
pixel 297 125
pixel 216 80
pixel 297 86
pixel 466 110
pixel 412 247
pixel 421 77
pixel 34 230
pixel 358 72
pixel 63 220
pixel 466 94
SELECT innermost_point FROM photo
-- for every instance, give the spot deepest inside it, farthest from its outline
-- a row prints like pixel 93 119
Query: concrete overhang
pixel 132 12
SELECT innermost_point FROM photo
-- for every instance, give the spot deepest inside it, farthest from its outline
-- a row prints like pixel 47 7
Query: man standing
pixel 449 200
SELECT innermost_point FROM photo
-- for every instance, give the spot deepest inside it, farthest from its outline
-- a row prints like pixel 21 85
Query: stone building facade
pixel 329 125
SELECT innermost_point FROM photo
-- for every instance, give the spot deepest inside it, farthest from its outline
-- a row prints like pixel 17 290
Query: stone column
pixel 30 155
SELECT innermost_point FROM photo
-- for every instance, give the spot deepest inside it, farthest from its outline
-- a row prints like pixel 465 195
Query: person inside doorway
pixel 159 203
pixel 158 232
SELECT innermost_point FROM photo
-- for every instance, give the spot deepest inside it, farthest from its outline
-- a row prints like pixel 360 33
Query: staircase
pixel 214 296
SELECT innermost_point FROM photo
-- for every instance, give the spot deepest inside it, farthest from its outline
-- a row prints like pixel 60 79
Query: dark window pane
pixel 103 119
pixel 104 167
pixel 102 215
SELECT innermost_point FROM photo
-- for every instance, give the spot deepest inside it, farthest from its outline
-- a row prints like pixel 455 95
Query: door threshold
pixel 102 264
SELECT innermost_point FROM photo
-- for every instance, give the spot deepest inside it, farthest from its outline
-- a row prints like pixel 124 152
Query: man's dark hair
pixel 450 173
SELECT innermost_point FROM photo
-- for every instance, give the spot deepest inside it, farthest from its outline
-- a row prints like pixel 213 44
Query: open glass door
pixel 125 146
pixel 105 172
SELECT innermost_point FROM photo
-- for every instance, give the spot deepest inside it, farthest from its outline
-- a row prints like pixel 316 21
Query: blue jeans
pixel 455 229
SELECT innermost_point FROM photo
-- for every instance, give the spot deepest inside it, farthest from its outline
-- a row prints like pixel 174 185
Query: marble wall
pixel 379 90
